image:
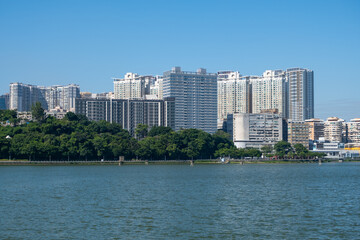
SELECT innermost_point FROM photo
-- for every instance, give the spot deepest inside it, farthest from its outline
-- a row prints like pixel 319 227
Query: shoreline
pixel 165 162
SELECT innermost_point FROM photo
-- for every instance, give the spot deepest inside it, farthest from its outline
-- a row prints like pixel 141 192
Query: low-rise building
pixel 56 112
pixel 298 132
pixel 316 128
pixel 353 131
pixel 333 129
pixel 129 112
pixel 255 130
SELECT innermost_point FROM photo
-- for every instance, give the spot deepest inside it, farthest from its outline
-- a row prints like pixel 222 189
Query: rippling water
pixel 265 201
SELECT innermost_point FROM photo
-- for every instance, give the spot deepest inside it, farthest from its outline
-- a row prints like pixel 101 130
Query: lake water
pixel 265 201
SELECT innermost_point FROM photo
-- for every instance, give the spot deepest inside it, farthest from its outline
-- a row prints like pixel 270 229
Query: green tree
pixel 300 149
pixel 159 130
pixel 141 131
pixel 266 149
pixel 282 148
pixel 37 112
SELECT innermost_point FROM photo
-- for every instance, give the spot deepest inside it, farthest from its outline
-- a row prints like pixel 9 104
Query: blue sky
pixel 89 42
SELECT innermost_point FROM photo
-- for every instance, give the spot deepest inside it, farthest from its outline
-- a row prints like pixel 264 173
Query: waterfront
pixel 272 201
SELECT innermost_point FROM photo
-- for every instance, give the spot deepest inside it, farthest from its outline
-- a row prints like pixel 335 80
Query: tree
pixel 38 112
pixel 159 130
pixel 266 149
pixel 300 149
pixel 282 148
pixel 141 131
pixel 70 116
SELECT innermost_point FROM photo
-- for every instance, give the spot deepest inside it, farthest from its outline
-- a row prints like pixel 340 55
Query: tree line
pixel 76 138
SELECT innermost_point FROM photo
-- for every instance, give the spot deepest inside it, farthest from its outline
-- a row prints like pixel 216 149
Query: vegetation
pixel 77 138
pixel 284 150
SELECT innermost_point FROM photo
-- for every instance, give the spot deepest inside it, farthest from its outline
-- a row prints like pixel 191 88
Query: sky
pixel 90 42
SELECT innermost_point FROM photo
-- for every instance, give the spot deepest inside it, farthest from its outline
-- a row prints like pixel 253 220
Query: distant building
pixel 270 92
pixel 57 112
pixel 255 130
pixel 132 86
pixel 333 129
pixel 316 128
pixel 23 96
pixel 301 93
pixel 104 95
pixel 156 88
pixel 233 93
pixel 129 112
pixel 24 116
pixel 291 92
pixel 195 95
pixel 62 96
pixel 353 131
pixel 4 101
pixel 298 132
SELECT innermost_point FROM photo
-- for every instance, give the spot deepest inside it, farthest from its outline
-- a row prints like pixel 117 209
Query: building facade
pixel 23 96
pixel 300 93
pixel 4 101
pixel 256 130
pixel 132 86
pixel 233 94
pixel 298 132
pixel 129 112
pixel 333 129
pixel 156 88
pixel 316 128
pixel 62 96
pixel 270 92
pixel 195 95
pixel 353 130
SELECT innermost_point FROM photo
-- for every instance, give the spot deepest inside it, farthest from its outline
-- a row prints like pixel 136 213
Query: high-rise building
pixel 63 96
pixel 353 128
pixel 298 132
pixel 233 94
pixel 290 92
pixel 129 112
pixel 4 101
pixel 132 86
pixel 23 96
pixel 270 92
pixel 255 130
pixel 156 89
pixel 301 93
pixel 316 128
pixel 195 96
pixel 333 129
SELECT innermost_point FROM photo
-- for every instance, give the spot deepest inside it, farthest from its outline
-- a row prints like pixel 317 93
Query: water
pixel 264 201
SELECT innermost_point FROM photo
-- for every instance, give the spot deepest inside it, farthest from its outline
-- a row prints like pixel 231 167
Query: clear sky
pixel 89 42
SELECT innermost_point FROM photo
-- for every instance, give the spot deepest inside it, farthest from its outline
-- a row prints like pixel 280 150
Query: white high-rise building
pixel 233 94
pixel 195 96
pixel 132 86
pixel 23 96
pixel 301 93
pixel 270 92
pixel 63 96
pixel 156 89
